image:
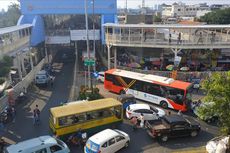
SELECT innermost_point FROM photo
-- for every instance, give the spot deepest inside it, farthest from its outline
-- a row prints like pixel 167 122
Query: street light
pixel 94 51
pixel 87 42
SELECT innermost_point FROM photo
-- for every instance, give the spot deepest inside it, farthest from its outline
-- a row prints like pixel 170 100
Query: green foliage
pixel 90 94
pixel 5 65
pixel 10 18
pixel 217 17
pixel 2 80
pixel 157 18
pixel 217 88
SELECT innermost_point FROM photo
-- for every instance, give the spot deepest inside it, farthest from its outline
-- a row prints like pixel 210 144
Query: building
pixel 183 10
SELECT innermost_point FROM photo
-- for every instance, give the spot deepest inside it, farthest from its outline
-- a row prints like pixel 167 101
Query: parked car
pixel 42 78
pixel 172 126
pixel 149 112
pixel 46 144
pixel 107 141
pixel 101 76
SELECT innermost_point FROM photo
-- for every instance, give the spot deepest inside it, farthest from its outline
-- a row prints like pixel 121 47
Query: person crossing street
pixel 36 115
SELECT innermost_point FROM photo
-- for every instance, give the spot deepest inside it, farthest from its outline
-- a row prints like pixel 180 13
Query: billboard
pixel 81 34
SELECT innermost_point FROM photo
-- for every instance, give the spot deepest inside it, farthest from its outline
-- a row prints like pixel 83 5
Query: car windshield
pixel 119 132
pixel 154 109
pixel 60 143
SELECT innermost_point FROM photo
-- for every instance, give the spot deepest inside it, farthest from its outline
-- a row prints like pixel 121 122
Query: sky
pixel 135 3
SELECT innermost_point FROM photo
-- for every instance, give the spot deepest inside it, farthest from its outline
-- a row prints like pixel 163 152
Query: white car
pixel 107 141
pixel 149 112
pixel 101 76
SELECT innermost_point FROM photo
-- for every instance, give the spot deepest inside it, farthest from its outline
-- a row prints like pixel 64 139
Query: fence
pixel 19 87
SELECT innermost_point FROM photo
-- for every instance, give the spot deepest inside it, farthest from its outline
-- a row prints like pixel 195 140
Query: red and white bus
pixel 166 92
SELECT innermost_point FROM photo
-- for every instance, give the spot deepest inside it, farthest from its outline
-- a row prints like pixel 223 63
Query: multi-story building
pixel 182 10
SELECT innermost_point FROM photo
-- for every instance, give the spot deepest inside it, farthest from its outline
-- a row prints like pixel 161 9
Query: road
pixel 49 97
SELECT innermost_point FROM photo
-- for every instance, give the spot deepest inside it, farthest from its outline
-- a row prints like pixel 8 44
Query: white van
pixel 42 77
pixel 42 144
pixel 107 141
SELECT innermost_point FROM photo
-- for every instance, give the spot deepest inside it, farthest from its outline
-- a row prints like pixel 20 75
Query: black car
pixel 172 126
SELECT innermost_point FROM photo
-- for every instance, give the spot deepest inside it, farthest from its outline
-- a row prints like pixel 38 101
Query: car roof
pixel 42 72
pixel 27 145
pixel 103 136
pixel 101 73
pixel 174 118
pixel 139 106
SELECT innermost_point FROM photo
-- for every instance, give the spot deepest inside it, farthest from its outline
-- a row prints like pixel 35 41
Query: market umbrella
pixel 170 67
pixel 134 65
pixel 185 68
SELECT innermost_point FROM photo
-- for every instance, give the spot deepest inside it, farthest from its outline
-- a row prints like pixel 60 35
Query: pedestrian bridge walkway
pixel 168 36
pixel 14 38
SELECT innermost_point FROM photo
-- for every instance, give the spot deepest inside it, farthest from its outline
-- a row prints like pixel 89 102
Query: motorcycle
pixel 6 116
pixel 78 139
pixel 22 97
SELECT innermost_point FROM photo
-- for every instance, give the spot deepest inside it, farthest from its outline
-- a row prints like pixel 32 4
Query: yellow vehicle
pixel 89 116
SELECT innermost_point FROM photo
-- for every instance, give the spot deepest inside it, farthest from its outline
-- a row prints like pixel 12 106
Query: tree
pixel 157 18
pixel 217 88
pixel 10 18
pixel 217 17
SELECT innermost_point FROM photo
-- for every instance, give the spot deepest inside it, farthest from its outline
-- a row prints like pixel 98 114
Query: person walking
pixel 170 38
pixel 13 114
pixel 36 114
pixel 134 122
pixel 200 40
pixel 142 120
pixel 179 39
pixel 51 81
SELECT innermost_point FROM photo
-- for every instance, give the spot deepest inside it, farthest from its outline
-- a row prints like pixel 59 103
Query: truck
pixel 172 126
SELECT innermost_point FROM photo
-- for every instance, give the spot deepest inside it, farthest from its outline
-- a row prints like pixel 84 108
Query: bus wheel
pixel 164 104
pixel 122 92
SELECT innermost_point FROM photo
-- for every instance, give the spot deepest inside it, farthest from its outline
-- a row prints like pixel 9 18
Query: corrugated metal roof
pixel 165 26
pixel 14 28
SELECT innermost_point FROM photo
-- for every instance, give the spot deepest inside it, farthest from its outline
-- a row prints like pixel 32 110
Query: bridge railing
pixel 14 45
pixel 160 39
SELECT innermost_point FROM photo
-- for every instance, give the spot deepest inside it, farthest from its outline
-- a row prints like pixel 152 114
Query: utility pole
pixel 87 42
pixel 94 45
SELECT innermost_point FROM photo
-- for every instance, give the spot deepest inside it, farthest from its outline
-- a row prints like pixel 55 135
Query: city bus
pixel 89 116
pixel 166 92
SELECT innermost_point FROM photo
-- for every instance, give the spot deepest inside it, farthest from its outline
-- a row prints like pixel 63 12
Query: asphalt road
pixel 49 97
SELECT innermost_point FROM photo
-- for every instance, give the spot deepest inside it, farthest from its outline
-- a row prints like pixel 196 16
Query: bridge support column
pixel 115 57
pixel 46 54
pixel 31 60
pixel 19 66
pixel 109 56
pixel 176 51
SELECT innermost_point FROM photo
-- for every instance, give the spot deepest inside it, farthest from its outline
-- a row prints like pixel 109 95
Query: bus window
pixel 175 94
pixel 75 119
pixel 117 112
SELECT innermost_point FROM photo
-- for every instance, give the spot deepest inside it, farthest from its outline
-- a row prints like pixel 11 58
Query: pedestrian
pixel 145 33
pixel 169 113
pixel 13 114
pixel 213 37
pixel 142 120
pixel 170 38
pixel 200 39
pixel 51 81
pixel 134 122
pixel 179 39
pixel 36 114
